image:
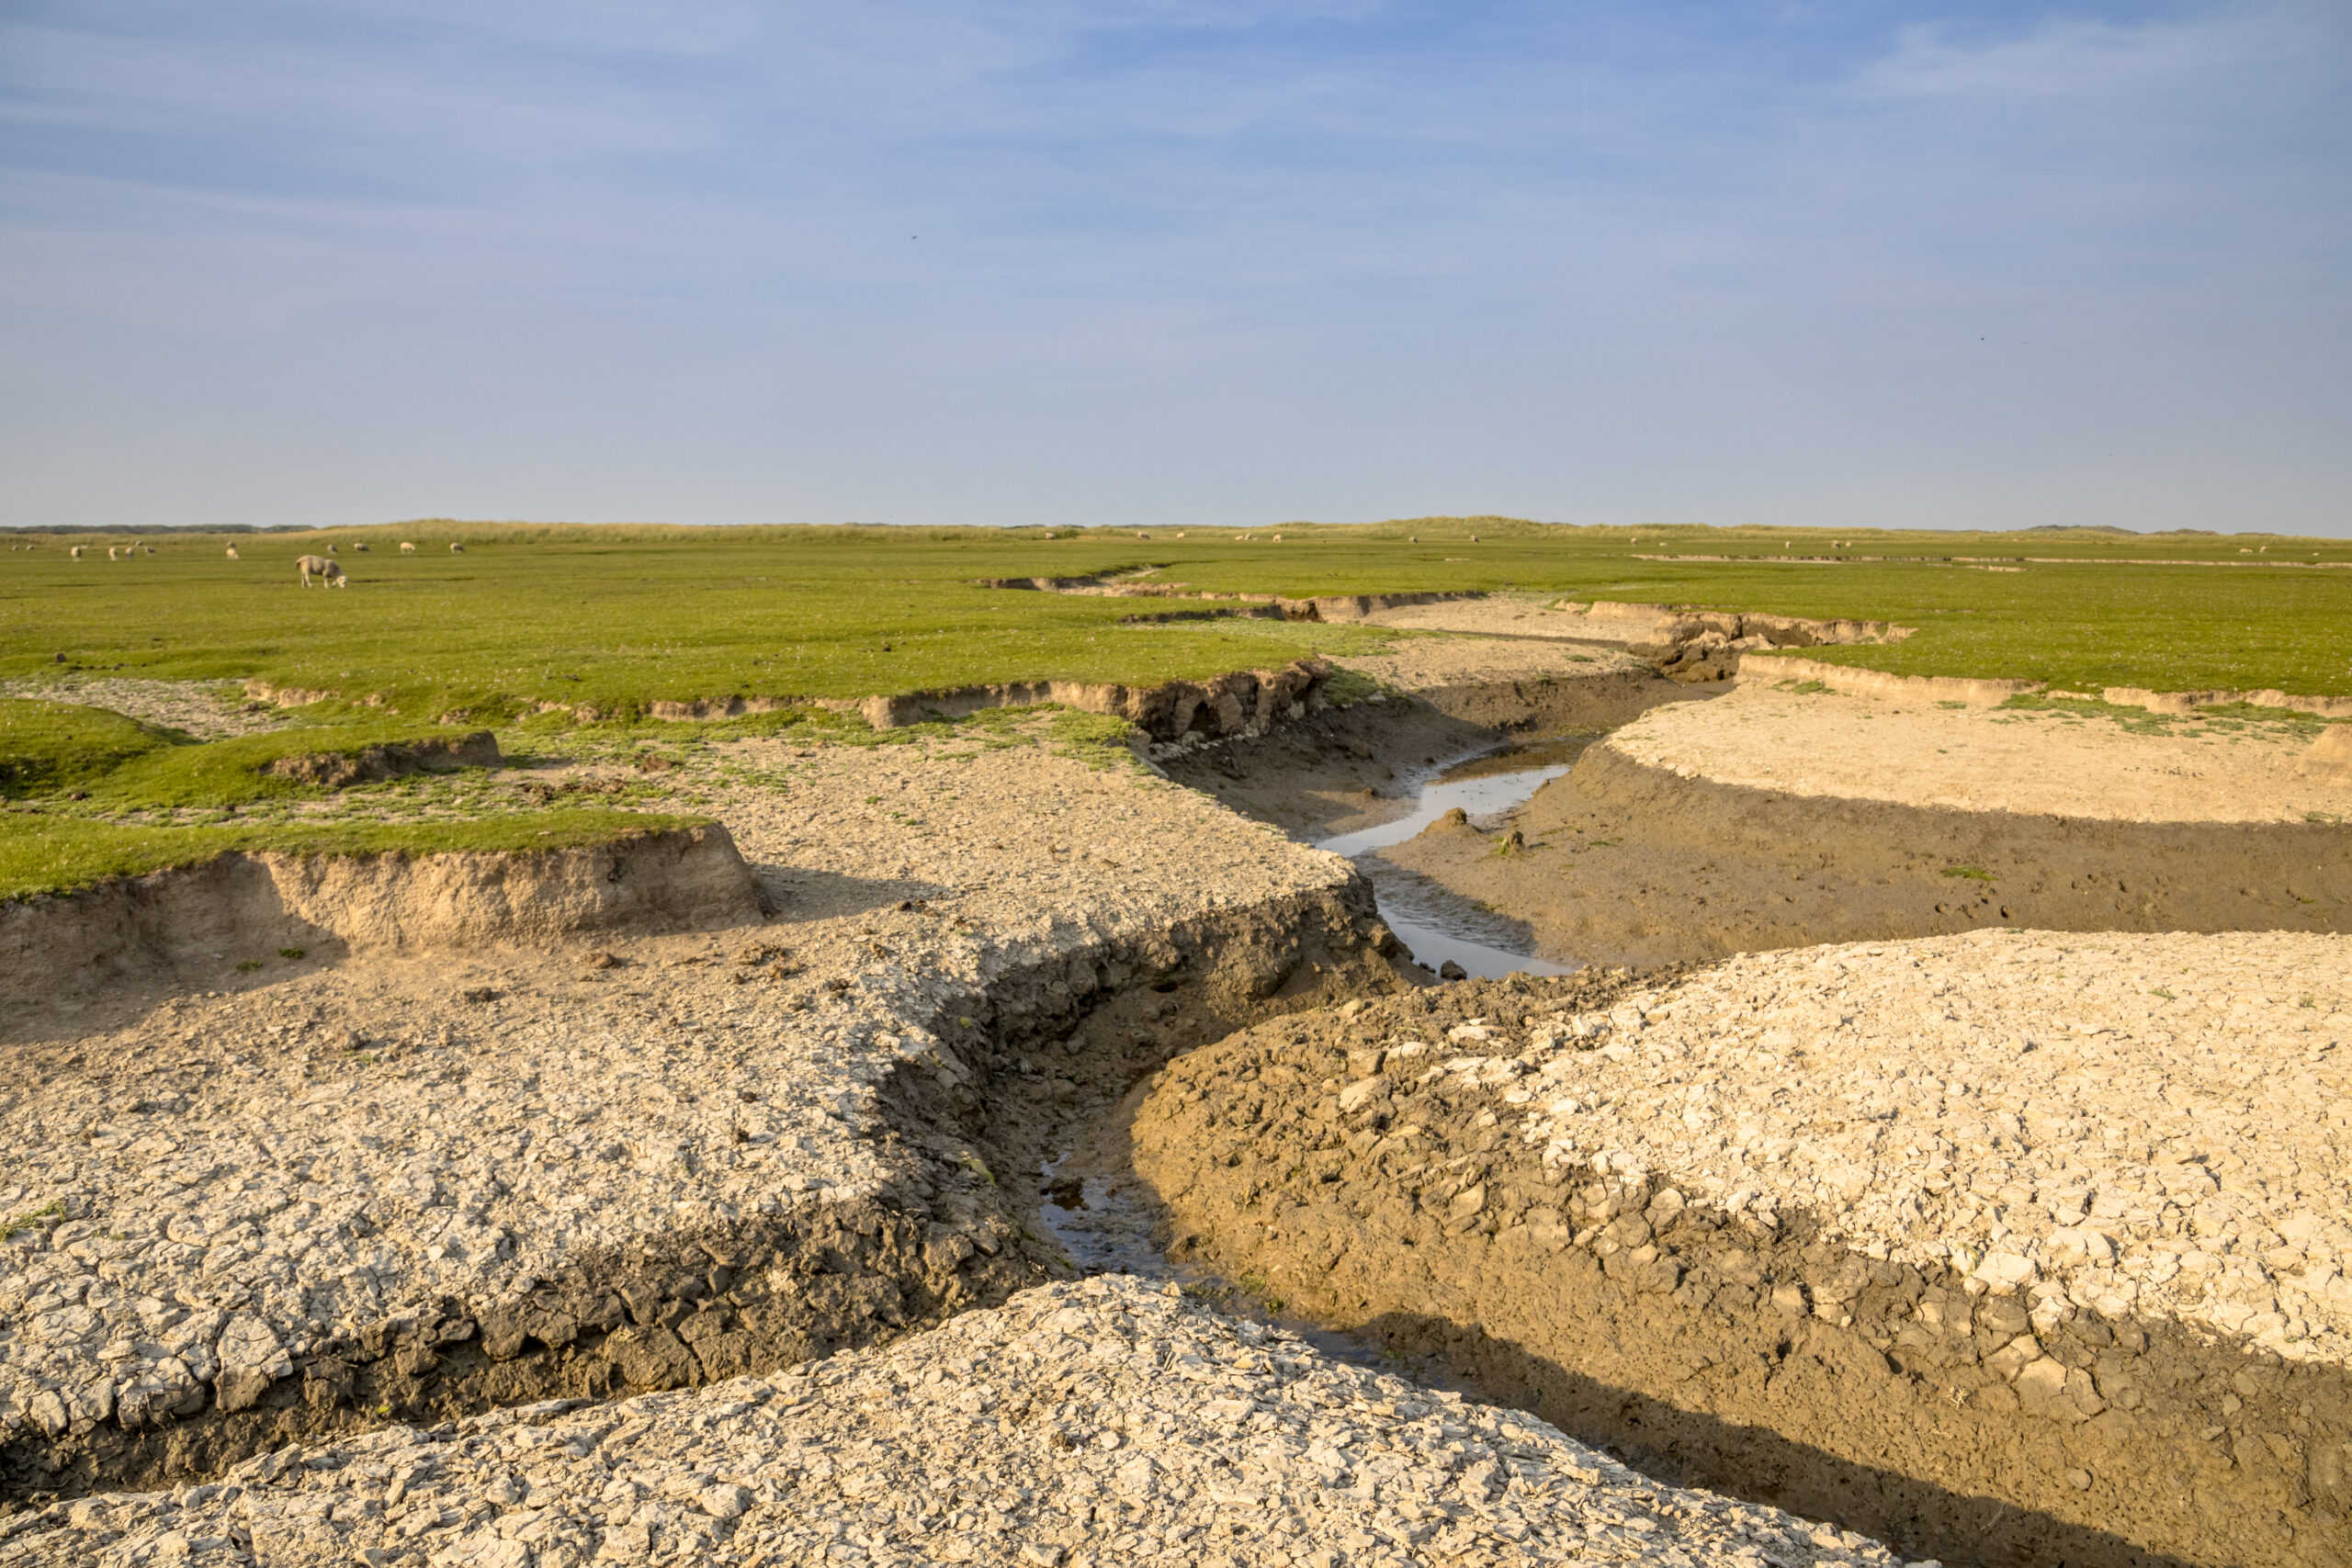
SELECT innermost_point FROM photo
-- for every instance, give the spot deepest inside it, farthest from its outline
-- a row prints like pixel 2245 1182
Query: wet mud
pixel 1620 863
pixel 1764 1362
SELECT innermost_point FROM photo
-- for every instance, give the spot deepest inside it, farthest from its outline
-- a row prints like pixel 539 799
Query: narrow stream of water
pixel 1440 927
pixel 1104 1216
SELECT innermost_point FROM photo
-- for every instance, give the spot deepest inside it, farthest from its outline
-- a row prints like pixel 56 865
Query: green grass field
pixel 534 627
pixel 617 618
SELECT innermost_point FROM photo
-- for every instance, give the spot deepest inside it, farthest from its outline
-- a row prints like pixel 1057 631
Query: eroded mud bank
pixel 950 1228
pixel 1625 863
pixel 131 936
pixel 1745 1354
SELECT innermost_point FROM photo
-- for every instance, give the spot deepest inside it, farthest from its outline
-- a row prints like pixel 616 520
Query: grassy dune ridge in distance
pixel 615 618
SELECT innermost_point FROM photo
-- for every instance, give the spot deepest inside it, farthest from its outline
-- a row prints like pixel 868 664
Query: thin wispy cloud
pixel 1150 262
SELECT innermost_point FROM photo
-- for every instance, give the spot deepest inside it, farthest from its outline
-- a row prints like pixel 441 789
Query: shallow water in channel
pixel 1438 926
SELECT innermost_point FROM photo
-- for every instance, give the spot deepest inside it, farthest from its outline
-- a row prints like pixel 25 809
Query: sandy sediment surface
pixel 426 1183
pixel 1423 662
pixel 1503 615
pixel 1881 1231
pixel 1768 818
pixel 2036 761
pixel 1662 629
pixel 1096 1423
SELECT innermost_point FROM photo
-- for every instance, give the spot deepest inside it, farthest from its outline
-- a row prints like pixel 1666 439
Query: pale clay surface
pixel 1507 615
pixel 2038 761
pixel 1421 663
pixel 1078 1425
pixel 2030 1108
pixel 241 1185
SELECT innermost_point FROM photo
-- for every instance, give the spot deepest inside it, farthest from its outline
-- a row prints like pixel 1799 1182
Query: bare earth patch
pixel 2033 761
pixel 1416 663
pixel 1503 615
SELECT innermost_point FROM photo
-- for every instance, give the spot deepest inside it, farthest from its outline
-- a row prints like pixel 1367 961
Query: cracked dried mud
pixel 693 1244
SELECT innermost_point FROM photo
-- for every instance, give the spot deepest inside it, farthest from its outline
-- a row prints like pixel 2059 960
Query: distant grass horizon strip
pixel 618 617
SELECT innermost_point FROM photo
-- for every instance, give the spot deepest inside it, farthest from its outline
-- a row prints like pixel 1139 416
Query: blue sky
pixel 1169 261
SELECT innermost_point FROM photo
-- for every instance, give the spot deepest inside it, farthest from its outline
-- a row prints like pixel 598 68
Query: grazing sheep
pixel 328 574
pixel 75 552
pixel 456 548
pixel 233 552
pixel 333 551
pixel 407 549
pixel 148 548
pixel 360 549
pixel 1141 534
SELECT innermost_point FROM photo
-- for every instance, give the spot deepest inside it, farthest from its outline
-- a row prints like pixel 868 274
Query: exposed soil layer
pixel 1620 863
pixel 1243 702
pixel 335 770
pixel 1741 1352
pixel 140 934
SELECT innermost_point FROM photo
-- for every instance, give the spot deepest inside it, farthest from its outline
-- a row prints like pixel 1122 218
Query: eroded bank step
pixel 1078 1425
pixel 1878 1232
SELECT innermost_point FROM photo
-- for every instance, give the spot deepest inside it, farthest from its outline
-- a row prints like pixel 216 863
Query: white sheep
pixel 456 548
pixel 75 552
pixel 333 551
pixel 328 574
pixel 360 549
pixel 113 554
pixel 407 549
pixel 233 552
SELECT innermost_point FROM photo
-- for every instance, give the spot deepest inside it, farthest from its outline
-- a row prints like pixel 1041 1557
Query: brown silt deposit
pixel 1953 1242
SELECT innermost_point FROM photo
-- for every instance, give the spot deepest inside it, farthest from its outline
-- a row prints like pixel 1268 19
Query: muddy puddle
pixel 1440 927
